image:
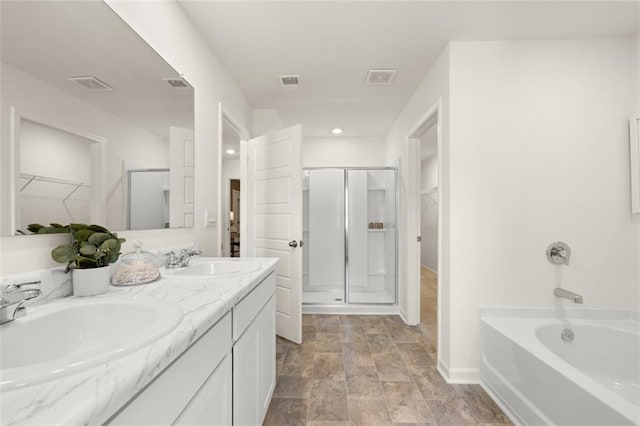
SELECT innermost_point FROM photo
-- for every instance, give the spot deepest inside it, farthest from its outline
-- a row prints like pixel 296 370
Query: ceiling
pixel 54 40
pixel 332 44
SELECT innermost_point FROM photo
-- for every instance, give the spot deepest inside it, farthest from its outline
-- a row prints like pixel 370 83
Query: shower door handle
pixel 293 244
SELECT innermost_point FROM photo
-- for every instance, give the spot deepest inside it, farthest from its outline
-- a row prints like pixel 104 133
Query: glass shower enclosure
pixel 350 235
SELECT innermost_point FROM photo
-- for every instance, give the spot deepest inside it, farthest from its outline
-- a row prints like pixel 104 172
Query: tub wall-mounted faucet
pixel 566 294
pixel 558 253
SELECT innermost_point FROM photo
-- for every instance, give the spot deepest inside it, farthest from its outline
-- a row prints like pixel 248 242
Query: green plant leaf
pixel 83 234
pixel 34 227
pixel 57 225
pixel 98 228
pixel 98 238
pixel 109 245
pixel 64 253
pixel 113 257
pixel 52 230
pixel 77 226
pixel 88 250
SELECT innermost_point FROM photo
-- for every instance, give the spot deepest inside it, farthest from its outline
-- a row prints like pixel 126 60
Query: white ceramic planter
pixel 90 282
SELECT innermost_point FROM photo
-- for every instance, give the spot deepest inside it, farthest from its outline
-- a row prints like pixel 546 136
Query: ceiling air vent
pixel 380 77
pixel 178 82
pixel 290 83
pixel 91 83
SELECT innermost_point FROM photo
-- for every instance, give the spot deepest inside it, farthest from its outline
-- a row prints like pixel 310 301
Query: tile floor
pixel 372 370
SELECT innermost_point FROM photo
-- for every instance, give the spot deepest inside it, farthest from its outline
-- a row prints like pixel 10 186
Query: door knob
pixel 293 244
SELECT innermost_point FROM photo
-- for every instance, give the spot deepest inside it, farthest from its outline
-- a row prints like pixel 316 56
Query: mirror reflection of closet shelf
pixel 431 193
pixel 73 184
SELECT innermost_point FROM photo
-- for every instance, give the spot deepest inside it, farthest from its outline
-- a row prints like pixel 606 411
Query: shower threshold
pixel 351 309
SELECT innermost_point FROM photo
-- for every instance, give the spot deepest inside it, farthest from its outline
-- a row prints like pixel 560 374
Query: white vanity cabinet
pixel 227 377
pixel 254 352
pixel 177 395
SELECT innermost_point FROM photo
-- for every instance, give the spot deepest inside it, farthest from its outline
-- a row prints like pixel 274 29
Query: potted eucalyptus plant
pixel 92 249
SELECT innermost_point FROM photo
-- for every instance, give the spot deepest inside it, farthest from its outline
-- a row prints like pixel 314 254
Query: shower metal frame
pixel 346 301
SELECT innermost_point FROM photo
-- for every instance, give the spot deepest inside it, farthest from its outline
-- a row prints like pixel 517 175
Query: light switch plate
pixel 210 217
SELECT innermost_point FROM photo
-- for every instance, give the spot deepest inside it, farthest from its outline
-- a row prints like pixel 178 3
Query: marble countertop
pixel 92 396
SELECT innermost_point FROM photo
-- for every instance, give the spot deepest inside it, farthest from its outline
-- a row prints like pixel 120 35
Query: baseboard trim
pixel 403 314
pixel 458 375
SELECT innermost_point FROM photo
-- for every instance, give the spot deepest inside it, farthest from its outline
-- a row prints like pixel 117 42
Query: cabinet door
pixel 254 368
pixel 212 404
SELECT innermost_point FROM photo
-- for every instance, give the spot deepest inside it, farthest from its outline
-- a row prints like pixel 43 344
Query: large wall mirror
pixel 96 126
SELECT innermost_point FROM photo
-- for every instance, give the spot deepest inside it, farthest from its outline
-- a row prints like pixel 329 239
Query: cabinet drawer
pixel 162 401
pixel 247 309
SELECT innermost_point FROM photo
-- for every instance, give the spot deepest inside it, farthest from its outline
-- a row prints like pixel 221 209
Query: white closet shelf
pixel 429 190
pixel 37 178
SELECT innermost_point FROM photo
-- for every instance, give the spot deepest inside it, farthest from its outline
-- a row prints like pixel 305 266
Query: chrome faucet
pixel 13 298
pixel 558 253
pixel 566 294
pixel 181 260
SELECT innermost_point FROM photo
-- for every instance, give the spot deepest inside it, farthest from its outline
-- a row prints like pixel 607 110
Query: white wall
pixel 231 169
pixel 343 152
pixel 265 120
pixel 435 86
pixel 166 28
pixel 429 213
pixel 539 153
pixel 429 173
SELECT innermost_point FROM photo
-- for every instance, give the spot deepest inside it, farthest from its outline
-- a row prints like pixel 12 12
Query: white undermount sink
pixel 60 339
pixel 212 267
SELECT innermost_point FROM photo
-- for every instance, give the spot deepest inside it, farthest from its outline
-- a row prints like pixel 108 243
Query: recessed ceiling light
pixel 230 151
pixel 336 131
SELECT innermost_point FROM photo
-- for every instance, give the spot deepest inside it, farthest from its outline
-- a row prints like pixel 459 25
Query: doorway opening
pixel 234 217
pixel 231 134
pixel 429 233
pixel 426 282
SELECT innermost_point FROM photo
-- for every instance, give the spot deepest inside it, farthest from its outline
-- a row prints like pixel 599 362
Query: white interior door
pixel 273 217
pixel 181 178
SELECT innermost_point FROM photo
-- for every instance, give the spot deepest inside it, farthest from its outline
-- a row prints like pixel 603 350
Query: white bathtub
pixel 540 379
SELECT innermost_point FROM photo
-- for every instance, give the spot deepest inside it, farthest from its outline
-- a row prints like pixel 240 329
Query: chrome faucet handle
pixel 13 287
pixel 13 298
pixel 171 260
pixel 558 253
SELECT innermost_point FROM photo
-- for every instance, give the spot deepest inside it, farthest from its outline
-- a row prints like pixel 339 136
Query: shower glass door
pixel 324 236
pixel 372 227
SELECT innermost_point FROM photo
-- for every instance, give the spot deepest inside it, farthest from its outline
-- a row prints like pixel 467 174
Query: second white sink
pixel 212 267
